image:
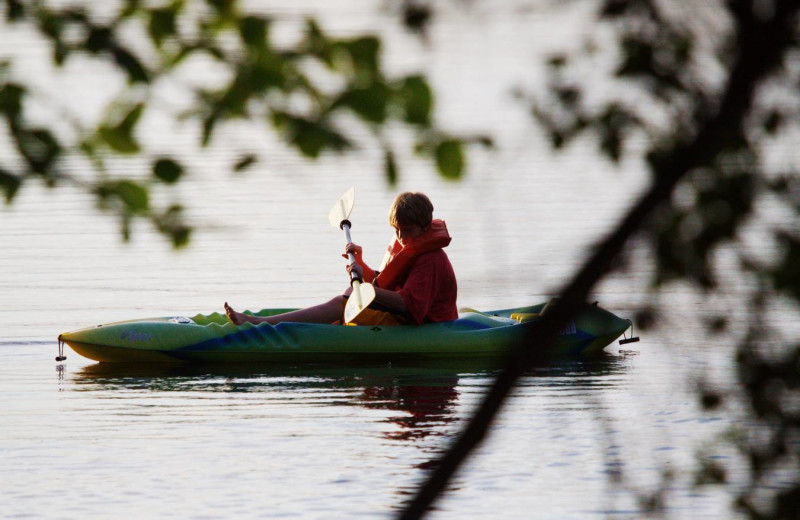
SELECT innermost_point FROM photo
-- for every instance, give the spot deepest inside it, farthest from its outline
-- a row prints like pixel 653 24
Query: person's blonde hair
pixel 411 208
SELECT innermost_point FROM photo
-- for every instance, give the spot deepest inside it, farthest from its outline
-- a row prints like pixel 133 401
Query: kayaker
pixel 416 283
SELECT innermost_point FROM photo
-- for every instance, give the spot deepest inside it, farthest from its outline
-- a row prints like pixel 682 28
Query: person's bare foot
pixel 237 318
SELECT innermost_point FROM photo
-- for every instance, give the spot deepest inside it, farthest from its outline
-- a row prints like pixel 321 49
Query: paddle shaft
pixel 362 294
pixel 355 279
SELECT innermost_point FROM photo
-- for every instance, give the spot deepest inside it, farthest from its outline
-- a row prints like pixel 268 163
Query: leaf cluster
pixel 661 69
pixel 310 93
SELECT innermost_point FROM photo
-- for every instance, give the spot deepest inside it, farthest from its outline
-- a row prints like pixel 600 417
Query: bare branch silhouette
pixel 761 43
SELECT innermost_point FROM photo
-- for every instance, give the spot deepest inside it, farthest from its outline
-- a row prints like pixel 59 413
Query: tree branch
pixel 761 45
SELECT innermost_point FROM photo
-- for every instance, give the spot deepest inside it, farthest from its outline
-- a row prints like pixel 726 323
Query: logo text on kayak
pixel 135 337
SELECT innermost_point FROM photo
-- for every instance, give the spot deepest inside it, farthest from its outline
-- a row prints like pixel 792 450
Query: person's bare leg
pixel 327 312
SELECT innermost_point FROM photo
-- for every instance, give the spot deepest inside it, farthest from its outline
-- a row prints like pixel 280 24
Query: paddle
pixel 363 293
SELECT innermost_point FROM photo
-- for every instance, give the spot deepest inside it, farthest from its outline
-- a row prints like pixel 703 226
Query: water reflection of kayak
pixel 212 338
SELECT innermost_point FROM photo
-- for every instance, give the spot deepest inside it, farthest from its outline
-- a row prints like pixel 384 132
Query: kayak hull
pixel 213 339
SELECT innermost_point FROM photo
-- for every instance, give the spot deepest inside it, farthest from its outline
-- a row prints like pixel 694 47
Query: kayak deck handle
pixel 625 340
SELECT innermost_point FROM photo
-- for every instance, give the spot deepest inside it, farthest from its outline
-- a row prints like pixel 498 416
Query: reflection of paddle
pixel 363 293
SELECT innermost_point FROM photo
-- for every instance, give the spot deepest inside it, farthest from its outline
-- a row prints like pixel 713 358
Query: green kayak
pixel 212 338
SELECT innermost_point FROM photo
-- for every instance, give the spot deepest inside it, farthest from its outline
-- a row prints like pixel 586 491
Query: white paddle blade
pixel 360 298
pixel 341 210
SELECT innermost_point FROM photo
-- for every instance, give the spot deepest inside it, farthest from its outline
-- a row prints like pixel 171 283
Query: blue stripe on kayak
pixel 583 338
pixel 241 337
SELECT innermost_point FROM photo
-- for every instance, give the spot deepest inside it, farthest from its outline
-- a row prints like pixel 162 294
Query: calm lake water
pixel 579 439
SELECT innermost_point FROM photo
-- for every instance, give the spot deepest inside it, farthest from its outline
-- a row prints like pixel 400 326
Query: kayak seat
pixel 477 319
pixel 519 317
pixel 522 317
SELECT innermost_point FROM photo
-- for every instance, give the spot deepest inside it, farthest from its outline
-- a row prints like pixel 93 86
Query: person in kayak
pixel 416 283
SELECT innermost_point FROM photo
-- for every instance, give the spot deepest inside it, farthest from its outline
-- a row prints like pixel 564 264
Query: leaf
pixel 120 137
pixel 60 53
pixel 557 61
pixel 39 148
pixel 209 122
pixel 51 24
pixel 99 40
pixel 485 141
pixel 119 140
pixel 612 127
pixel 450 159
pixel 226 9
pixel 244 162
pixel 266 72
pixel 253 31
pixel 162 24
pixel 314 138
pixel 135 196
pixel 309 136
pixel 180 236
pixel 234 98
pixel 167 170
pixel 416 17
pixel 772 122
pixel 15 10
pixel 390 167
pixel 786 276
pixel 131 64
pixel 11 95
pixel 370 103
pixel 614 8
pixel 364 55
pixel 317 44
pixel 125 226
pixel 131 118
pixel 569 96
pixel 171 223
pixel 659 62
pixel 417 100
pixel 10 184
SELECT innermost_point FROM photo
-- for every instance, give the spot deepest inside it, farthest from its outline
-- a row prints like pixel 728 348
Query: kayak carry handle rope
pixel 363 293
pixel 60 357
pixel 632 339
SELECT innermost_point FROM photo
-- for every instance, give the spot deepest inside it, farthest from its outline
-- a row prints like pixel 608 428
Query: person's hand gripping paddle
pixel 363 293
